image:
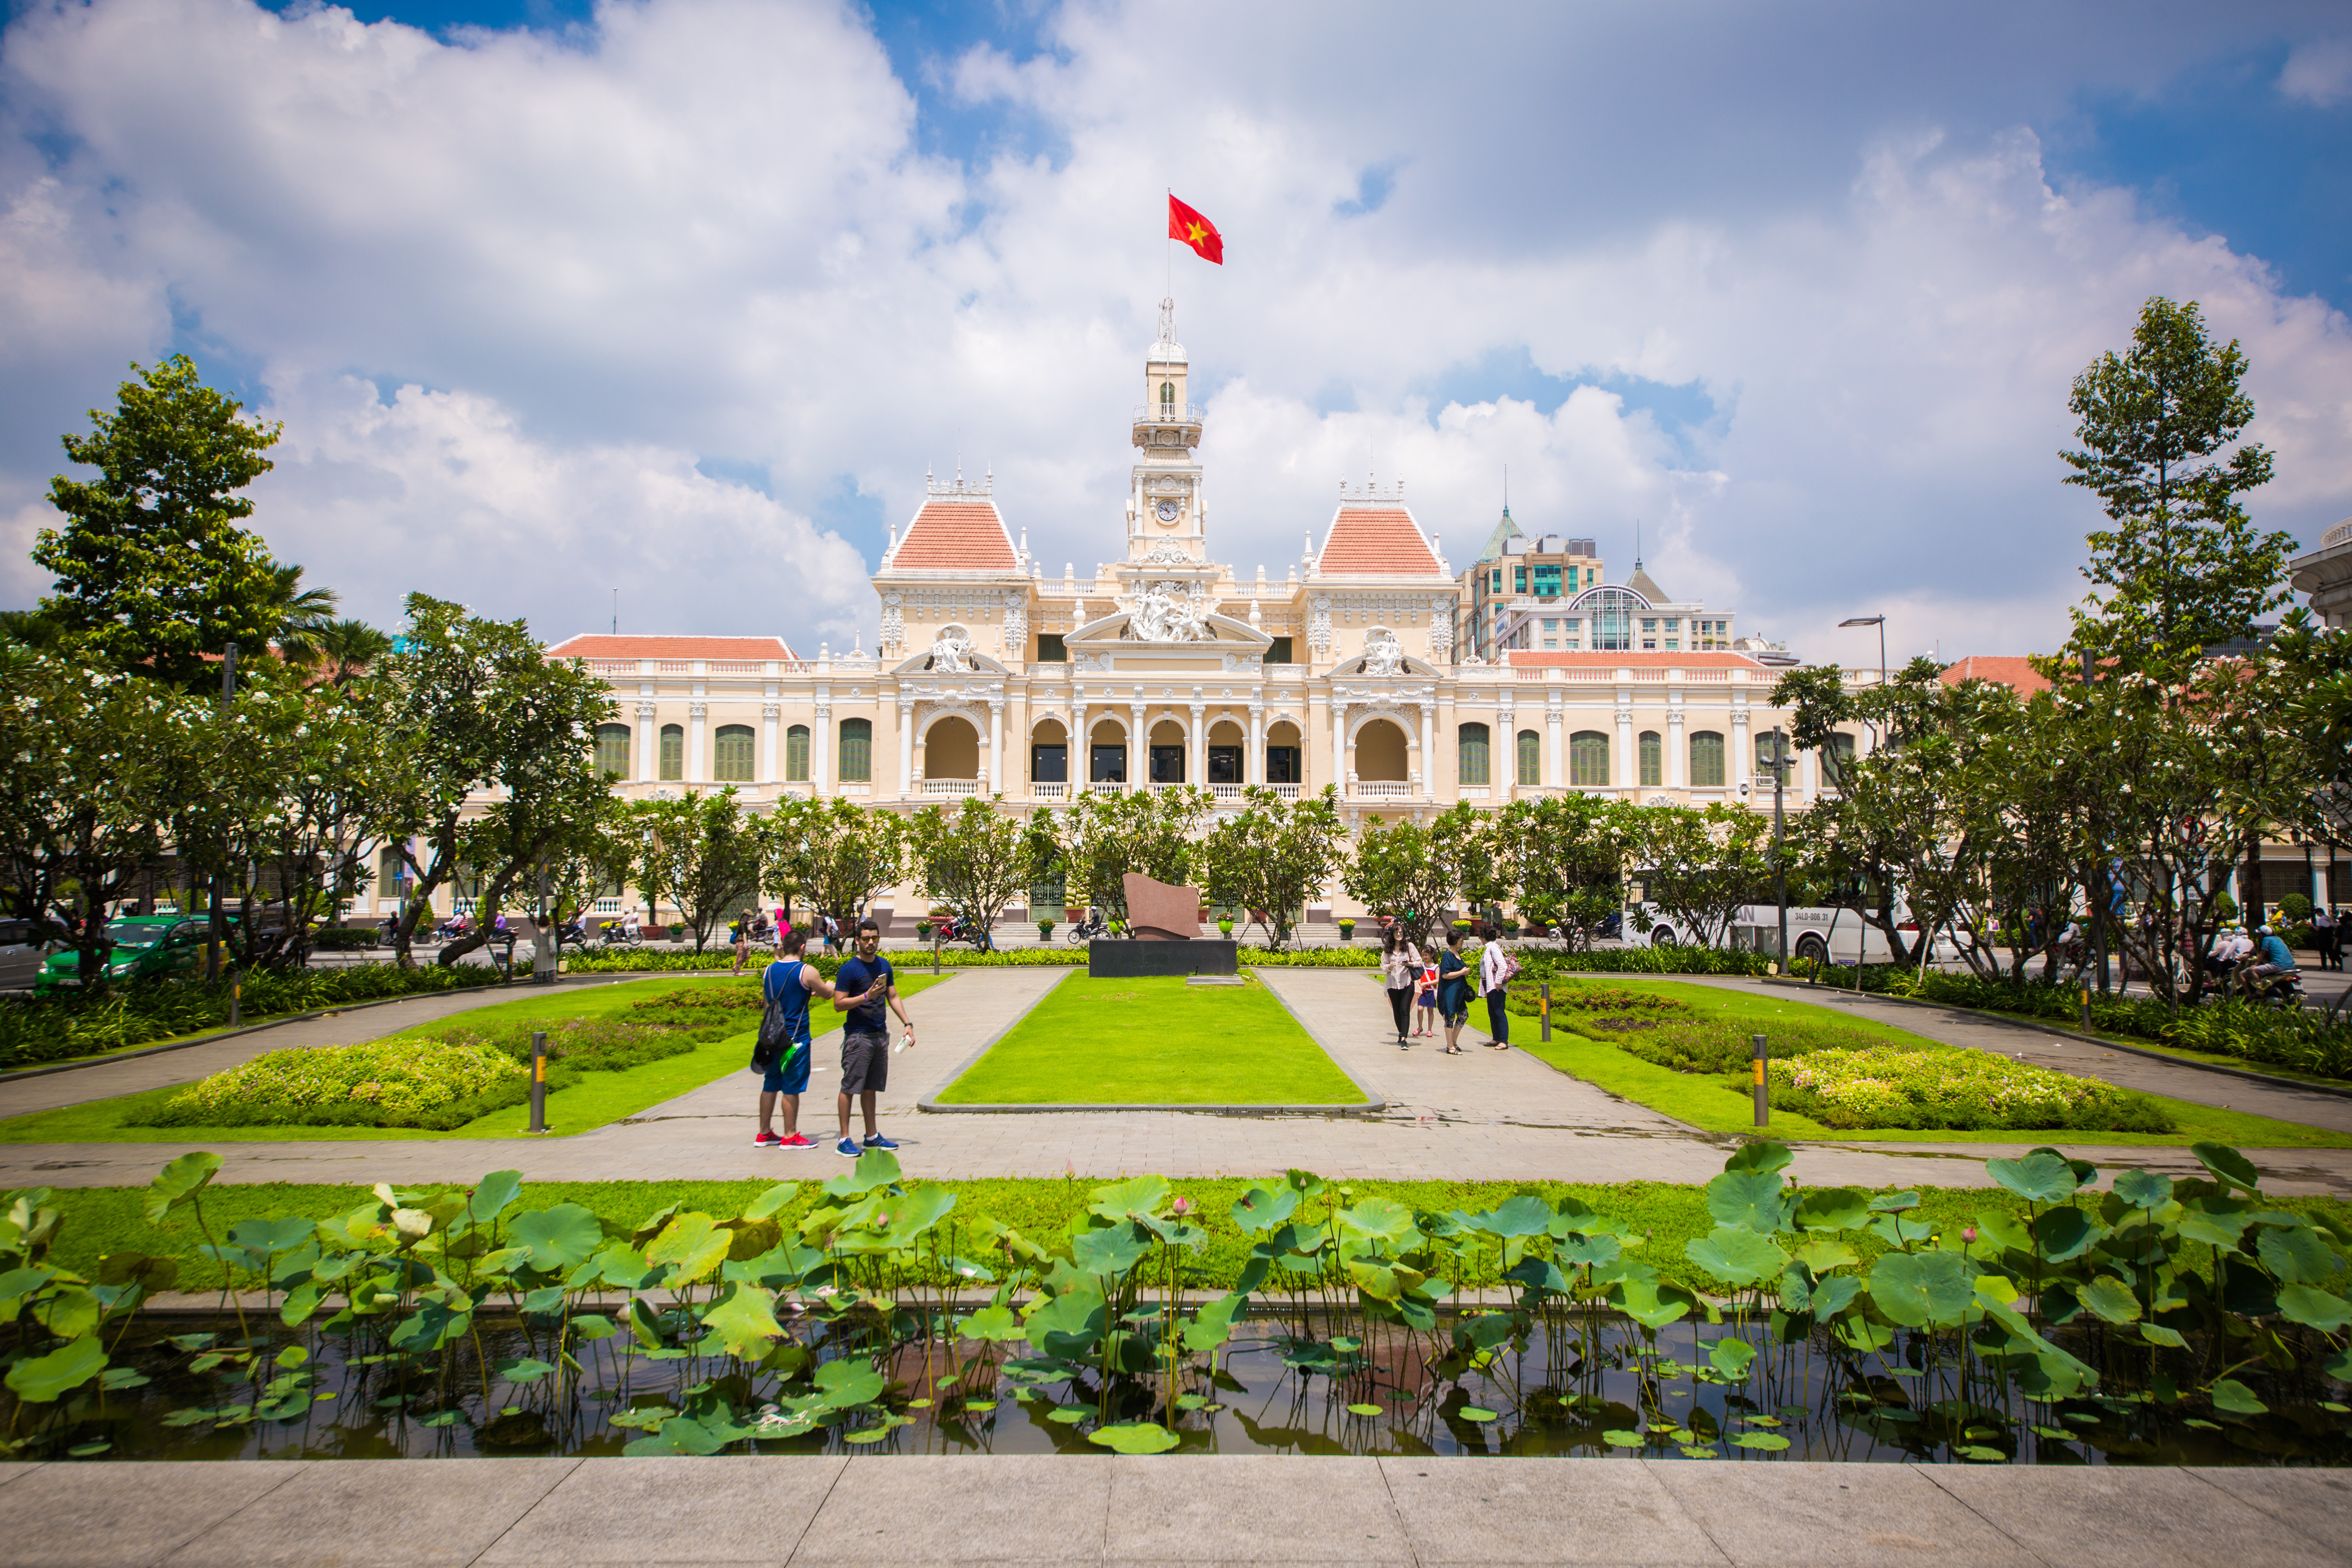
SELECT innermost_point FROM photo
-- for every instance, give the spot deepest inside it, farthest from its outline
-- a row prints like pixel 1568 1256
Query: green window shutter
pixel 1588 758
pixel 796 755
pixel 1653 758
pixel 858 751
pixel 1530 758
pixel 673 751
pixel 1472 748
pixel 613 749
pixel 1706 760
pixel 731 754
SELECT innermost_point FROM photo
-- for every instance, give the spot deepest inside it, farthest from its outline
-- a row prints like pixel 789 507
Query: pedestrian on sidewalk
pixel 1496 968
pixel 1425 1003
pixel 865 982
pixel 2327 936
pixel 784 990
pixel 742 937
pixel 1453 991
pixel 1399 968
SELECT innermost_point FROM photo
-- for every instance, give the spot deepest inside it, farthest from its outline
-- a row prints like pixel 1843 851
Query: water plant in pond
pixel 866 1314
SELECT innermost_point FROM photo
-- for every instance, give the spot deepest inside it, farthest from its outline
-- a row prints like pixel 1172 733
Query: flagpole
pixel 1167 252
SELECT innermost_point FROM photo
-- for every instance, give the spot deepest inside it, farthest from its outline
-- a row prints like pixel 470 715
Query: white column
pixel 1196 754
pixel 906 747
pixel 1556 774
pixel 698 763
pixel 1629 762
pixel 1740 766
pixel 1429 752
pixel 996 743
pixel 1807 763
pixel 648 745
pixel 1506 738
pixel 1677 754
pixel 1341 774
pixel 770 772
pixel 820 732
pixel 1138 754
pixel 1253 765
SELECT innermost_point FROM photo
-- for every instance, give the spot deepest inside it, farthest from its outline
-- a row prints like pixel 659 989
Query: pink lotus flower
pixel 1181 1207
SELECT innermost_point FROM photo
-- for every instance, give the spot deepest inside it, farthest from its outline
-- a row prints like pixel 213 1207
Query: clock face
pixel 1170 510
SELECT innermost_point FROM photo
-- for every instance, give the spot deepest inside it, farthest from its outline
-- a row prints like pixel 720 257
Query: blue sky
pixel 685 296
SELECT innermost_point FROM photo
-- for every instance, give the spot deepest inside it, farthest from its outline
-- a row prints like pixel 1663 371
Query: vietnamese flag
pixel 1196 231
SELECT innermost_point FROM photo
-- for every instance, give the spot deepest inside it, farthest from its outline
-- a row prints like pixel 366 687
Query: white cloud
pixel 2319 72
pixel 702 230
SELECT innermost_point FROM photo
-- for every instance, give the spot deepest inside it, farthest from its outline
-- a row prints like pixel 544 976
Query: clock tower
pixel 1166 513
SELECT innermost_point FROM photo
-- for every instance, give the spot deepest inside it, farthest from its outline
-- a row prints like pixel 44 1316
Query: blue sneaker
pixel 846 1150
pixel 878 1141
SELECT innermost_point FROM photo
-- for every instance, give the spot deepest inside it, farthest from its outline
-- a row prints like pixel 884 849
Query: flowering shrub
pixel 1895 1086
pixel 390 1083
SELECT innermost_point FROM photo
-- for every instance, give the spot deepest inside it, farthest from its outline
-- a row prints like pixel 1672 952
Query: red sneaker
pixel 767 1141
pixel 794 1141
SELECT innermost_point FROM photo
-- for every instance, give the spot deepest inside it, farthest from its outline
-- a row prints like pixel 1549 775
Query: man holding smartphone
pixel 865 985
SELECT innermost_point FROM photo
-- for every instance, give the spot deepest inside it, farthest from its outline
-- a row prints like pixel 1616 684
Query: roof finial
pixel 1168 319
pixel 1637 544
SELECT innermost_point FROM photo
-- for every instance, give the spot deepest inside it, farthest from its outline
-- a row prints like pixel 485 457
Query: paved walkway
pixel 911 1511
pixel 1485 1115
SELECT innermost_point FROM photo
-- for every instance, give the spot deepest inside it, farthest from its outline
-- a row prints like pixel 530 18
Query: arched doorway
pixel 1049 753
pixel 950 749
pixel 1286 754
pixel 1106 753
pixel 1167 753
pixel 1381 753
pixel 1225 744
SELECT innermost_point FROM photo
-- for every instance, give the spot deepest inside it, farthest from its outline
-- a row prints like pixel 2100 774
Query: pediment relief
pixel 1116 633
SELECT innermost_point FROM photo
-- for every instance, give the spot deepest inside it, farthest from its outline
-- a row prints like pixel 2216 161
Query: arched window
pixel 731 754
pixel 1168 397
pixel 1588 758
pixel 613 749
pixel 1706 760
pixel 858 751
pixel 1530 757
pixel 1838 757
pixel 1472 743
pixel 673 751
pixel 796 750
pixel 1653 756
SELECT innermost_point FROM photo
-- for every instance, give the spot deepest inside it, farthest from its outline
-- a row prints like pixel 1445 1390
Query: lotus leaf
pixel 523 1370
pixel 1536 1274
pixel 1306 1184
pixel 645 1324
pixel 410 1226
pixel 1624 1440
pixel 2235 1397
pixel 2314 1309
pixel 1212 1325
pixel 1522 1215
pixel 2157 1334
pixel 693 1246
pixel 769 1204
pixel 560 1238
pixel 490 1197
pixel 1924 1289
pixel 1651 1303
pixel 2109 1299
pixel 1770 1441
pixel 2143 1189
pixel 1391 1222
pixel 1476 1414
pixel 1068 1414
pixel 43 1378
pixel 1749 1198
pixel 679 1434
pixel 1134 1438
pixel 743 1318
pixel 1796 1290
pixel 1112 1250
pixel 1574 1217
pixel 272 1236
pixel 1832 1208
pixel 1586 1251
pixel 2004 1229
pixel 179 1182
pixel 2062 1234
pixel 2230 1168
pixel 1763 1154
pixel 2297 1255
pixel 846 1383
pixel 2043 1176
pixel 2217 1221
pixel 1136 1196
pixel 751 1238
pixel 1820 1254
pixel 1263 1209
pixel 1730 1357
pixel 994 1324
pixel 1761 1420
pixel 1736 1256
pixel 1069 1325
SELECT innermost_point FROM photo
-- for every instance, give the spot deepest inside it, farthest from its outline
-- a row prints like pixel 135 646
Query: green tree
pixel 151 568
pixel 1272 856
pixel 975 860
pixel 1096 841
pixel 1699 865
pixel 702 854
pixel 2183 566
pixel 833 852
pixel 482 711
pixel 1567 858
pixel 1407 871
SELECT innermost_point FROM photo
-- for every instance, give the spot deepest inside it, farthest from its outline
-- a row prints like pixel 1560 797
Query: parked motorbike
pixel 961 929
pixel 1091 929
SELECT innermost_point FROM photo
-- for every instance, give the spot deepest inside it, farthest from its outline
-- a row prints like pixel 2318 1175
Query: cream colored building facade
pixel 993 676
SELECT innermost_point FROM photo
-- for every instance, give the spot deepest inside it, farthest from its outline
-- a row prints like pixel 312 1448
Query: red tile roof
pixel 2003 670
pixel 1522 658
pixel 961 534
pixel 1375 541
pixel 597 645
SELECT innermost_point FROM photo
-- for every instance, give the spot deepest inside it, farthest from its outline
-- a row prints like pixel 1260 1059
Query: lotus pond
pixel 2161 1321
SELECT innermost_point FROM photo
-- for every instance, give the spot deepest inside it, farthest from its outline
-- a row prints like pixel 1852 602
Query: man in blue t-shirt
pixel 788 984
pixel 865 985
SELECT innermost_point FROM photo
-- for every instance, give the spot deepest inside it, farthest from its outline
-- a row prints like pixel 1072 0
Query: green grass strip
pixel 599 1098
pixel 1155 1041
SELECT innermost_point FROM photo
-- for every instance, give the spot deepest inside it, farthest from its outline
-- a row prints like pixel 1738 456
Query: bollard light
pixel 1763 1080
pixel 1543 1008
pixel 538 1081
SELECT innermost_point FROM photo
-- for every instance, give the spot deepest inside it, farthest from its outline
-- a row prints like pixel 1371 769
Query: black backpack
pixel 775 1035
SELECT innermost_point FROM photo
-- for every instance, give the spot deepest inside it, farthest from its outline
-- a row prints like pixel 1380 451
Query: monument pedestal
pixel 1124 959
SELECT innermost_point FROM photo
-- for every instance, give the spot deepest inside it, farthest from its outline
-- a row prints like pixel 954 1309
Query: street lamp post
pixel 1880 621
pixel 1779 828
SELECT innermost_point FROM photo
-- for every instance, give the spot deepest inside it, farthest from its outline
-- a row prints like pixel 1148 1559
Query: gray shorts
pixel 865 1063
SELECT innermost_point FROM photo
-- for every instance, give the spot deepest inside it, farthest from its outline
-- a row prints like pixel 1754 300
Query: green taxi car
pixel 146 947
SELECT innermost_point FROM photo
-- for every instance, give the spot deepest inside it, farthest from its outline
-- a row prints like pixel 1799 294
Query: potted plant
pixel 1224 925
pixel 1044 931
pixel 1346 931
pixel 923 931
pixel 677 930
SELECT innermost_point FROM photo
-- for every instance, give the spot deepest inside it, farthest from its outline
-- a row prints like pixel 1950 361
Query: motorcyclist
pixel 2275 958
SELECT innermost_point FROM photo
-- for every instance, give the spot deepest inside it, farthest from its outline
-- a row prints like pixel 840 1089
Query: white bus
pixel 1815 932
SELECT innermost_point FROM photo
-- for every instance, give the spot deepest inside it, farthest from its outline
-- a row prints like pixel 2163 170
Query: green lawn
pixel 1704 1102
pixel 1155 1041
pixel 599 1098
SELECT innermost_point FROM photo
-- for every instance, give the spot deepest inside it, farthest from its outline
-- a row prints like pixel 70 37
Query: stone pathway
pixel 1485 1115
pixel 912 1511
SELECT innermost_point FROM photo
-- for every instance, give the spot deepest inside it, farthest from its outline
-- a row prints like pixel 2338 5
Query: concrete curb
pixel 1371 1104
pixel 2340 1093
